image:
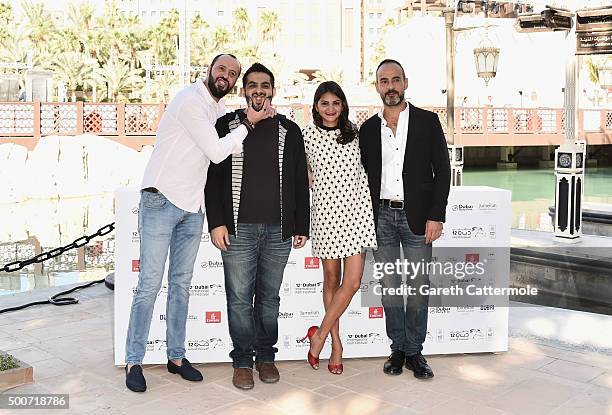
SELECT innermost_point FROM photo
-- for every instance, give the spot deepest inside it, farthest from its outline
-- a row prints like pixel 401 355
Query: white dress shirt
pixel 186 143
pixel 393 150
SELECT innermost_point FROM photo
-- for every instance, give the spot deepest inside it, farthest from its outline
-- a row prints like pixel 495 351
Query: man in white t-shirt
pixel 171 210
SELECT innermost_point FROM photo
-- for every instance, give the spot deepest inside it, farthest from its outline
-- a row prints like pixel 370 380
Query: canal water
pixel 29 227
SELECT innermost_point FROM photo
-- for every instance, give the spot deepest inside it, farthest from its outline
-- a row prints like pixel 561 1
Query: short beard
pixel 214 91
pixel 250 103
pixel 390 102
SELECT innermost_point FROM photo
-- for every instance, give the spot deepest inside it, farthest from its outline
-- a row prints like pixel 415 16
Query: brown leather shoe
pixel 268 373
pixel 243 378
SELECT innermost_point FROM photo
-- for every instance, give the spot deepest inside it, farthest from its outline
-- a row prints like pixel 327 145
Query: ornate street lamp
pixel 486 57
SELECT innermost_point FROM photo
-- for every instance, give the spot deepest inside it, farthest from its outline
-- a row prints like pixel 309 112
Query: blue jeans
pixel 162 227
pixel 254 264
pixel 405 318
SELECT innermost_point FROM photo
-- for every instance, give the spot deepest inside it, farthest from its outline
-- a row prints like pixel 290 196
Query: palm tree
pixel 242 24
pixel 74 69
pixel 332 74
pixel 39 23
pixel 119 78
pixel 80 17
pixel 270 26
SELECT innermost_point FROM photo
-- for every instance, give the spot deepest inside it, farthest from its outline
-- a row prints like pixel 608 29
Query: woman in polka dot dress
pixel 342 224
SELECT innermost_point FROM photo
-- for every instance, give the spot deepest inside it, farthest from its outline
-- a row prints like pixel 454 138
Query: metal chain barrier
pixel 79 242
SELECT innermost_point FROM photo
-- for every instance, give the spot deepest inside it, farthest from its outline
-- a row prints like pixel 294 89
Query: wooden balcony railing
pixel 135 124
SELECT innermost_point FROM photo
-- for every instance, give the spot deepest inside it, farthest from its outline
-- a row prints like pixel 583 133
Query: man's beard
pixel 216 92
pixel 249 100
pixel 393 101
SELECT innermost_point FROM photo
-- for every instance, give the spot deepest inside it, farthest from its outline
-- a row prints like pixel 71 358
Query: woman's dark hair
pixel 348 130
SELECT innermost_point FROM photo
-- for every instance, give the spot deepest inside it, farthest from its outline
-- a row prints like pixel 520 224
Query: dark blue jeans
pixel 405 316
pixel 254 264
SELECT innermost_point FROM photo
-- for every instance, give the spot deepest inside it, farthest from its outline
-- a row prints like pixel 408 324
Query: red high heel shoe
pixel 312 360
pixel 335 369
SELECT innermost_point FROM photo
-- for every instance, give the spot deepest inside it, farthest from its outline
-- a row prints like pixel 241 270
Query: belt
pixel 393 204
pixel 151 190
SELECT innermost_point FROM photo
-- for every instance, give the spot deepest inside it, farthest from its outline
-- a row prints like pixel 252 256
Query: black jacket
pixel 295 203
pixel 426 171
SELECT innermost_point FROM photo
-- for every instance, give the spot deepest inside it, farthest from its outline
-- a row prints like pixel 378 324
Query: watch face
pixel 564 160
pixel 579 160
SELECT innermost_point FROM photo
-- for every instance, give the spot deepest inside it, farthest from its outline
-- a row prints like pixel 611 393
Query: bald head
pixel 222 75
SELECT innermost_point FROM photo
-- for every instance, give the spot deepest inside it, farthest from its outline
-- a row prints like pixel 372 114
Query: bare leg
pixel 331 284
pixel 351 280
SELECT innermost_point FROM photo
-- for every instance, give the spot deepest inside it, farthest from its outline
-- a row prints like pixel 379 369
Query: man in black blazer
pixel 404 152
pixel 256 203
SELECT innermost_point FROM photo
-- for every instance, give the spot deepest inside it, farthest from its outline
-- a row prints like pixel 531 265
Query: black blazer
pixel 426 171
pixel 295 193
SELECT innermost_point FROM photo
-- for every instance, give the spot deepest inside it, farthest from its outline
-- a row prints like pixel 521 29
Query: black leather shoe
pixel 134 379
pixel 186 371
pixel 395 362
pixel 418 364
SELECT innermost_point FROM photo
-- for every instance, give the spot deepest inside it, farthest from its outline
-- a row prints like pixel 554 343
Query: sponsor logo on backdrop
pixel 468 334
pixel 311 263
pixel 156 345
pixel 205 237
pixel 190 317
pixel 211 264
pixel 310 314
pixel 440 336
pixel 135 237
pixel 286 342
pixel 213 317
pixel 492 232
pixel 428 336
pixel 285 315
pixel 206 290
pixel 354 313
pixel 490 206
pixel 206 344
pixel 367 286
pixel 490 333
pixel 135 265
pixel 308 287
pixel 375 312
pixel 135 210
pixel 466 309
pixel 286 288
pixel 291 263
pixel 462 207
pixel 487 307
pixel 467 233
pixel 364 338
pixel 439 310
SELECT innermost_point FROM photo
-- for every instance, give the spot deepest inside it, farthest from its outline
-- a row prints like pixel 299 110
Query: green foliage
pixel 108 51
pixel 7 362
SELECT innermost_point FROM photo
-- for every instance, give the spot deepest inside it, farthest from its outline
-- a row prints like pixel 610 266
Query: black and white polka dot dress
pixel 342 222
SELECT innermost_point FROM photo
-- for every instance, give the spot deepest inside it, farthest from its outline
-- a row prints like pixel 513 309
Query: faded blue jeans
pixel 162 227
pixel 254 264
pixel 405 317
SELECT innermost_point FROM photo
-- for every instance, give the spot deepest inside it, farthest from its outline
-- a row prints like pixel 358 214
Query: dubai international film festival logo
pixel 205 344
pixel 375 312
pixel 205 237
pixel 462 207
pixel 311 263
pixel 135 265
pixel 211 264
pixel 213 317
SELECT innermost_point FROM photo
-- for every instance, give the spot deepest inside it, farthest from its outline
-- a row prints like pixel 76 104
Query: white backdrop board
pixel 477 217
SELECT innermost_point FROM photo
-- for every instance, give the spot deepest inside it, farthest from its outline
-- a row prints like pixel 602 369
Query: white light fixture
pixel 486 57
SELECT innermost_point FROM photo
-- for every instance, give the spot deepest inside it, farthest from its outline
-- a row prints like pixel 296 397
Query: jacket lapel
pixel 412 131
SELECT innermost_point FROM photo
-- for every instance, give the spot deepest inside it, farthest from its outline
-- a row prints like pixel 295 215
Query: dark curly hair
pixel 348 130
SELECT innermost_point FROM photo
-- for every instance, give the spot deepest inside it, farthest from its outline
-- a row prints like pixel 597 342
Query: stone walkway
pixel 71 351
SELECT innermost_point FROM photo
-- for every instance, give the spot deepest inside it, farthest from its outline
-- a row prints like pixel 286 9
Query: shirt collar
pixel 382 109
